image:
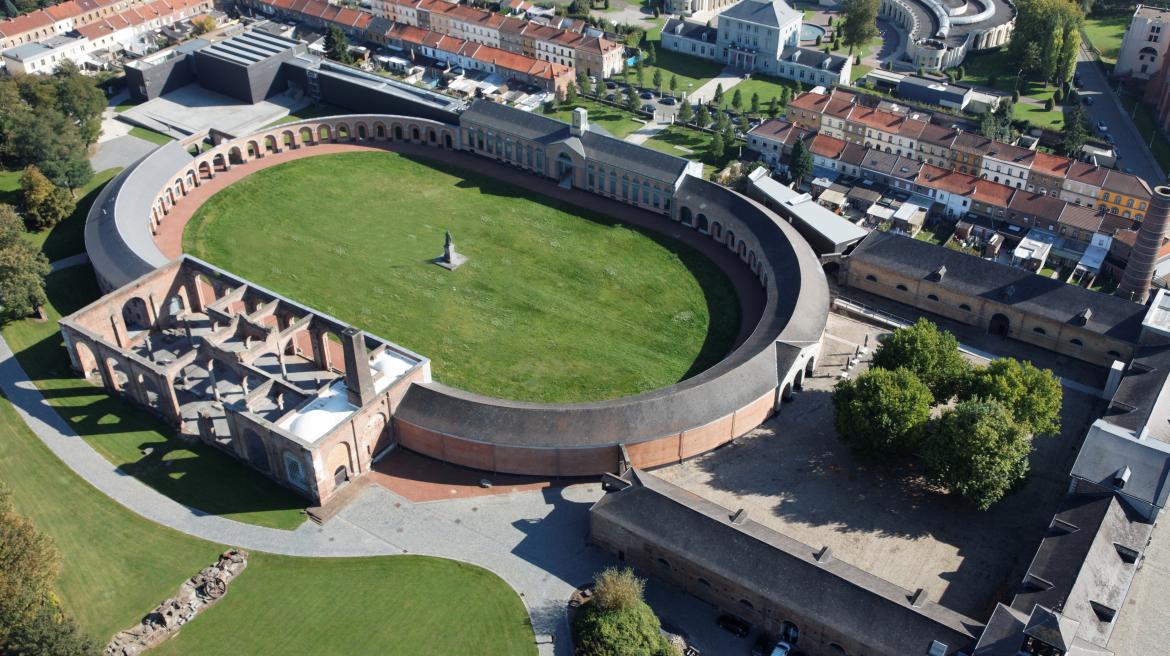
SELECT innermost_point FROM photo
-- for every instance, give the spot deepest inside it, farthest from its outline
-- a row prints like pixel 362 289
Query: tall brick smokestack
pixel 1135 283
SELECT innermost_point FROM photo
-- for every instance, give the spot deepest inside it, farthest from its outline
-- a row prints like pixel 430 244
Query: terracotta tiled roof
pixel 774 129
pixel 826 146
pixel 912 128
pixel 810 101
pixel 992 193
pixel 1051 165
pixel 946 180
pixel 938 135
pixel 1037 204
pixel 1089 174
pixel 878 119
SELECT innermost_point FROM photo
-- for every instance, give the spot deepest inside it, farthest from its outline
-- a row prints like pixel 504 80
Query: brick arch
pixel 305 133
pixel 381 133
pixel 343 132
pixel 324 132
pixel 361 131
pixel 204 166
pixel 271 145
pixel 252 149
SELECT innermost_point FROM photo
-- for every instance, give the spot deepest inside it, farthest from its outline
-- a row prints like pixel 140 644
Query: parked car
pixel 1088 100
pixel 1101 127
pixel 734 625
pixel 612 97
pixel 648 108
pixel 1077 81
pixel 610 84
pixel 669 101
pixel 781 649
pixel 647 95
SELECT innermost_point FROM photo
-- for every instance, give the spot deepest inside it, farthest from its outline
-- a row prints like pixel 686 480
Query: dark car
pixel 1078 82
pixel 1088 100
pixel 762 645
pixel 668 101
pixel 734 625
pixel 611 97
pixel 610 84
pixel 647 95
pixel 648 108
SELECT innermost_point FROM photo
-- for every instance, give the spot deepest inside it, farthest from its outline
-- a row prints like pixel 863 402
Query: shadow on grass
pixel 720 293
pixel 136 442
pixel 68 237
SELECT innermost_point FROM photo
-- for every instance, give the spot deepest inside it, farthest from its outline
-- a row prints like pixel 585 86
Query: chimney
pixel 359 382
pixel 1139 272
pixel 580 122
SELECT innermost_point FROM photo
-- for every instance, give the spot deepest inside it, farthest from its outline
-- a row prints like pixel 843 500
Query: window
pixel 931 297
pixel 871 278
pixel 1114 354
pixel 1076 342
pixel 964 306
pixel 1039 331
pixel 902 288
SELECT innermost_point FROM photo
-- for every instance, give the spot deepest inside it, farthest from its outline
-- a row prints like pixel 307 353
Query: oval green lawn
pixel 554 305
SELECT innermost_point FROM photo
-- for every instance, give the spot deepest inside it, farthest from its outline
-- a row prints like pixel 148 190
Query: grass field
pixel 617 121
pixel 1104 34
pixel 554 305
pixel 10 187
pixel 194 475
pixel 767 87
pixel 691 144
pixel 689 70
pixel 116 566
pixel 150 135
pixel 423 607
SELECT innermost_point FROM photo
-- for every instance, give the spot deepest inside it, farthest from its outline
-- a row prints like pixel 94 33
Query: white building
pixel 1144 44
pixel 43 56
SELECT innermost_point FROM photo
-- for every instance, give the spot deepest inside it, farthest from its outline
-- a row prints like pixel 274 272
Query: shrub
pixel 617 589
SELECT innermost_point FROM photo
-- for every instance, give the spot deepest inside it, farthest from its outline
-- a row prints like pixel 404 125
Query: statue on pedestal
pixel 450 259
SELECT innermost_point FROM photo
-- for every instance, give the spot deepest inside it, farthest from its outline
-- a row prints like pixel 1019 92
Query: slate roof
pixel 690 30
pixel 1125 183
pixel 931 91
pixel 606 149
pixel 966 274
pixel 1084 565
pixel 787 573
pixel 811 58
pixel 1136 401
pixel 772 13
pixel 1109 449
pixel 1086 173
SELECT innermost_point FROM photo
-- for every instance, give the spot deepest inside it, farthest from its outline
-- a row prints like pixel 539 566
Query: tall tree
pixel 617 621
pixel 673 84
pixel 583 81
pixel 1074 133
pixel 703 116
pixel 337 45
pixel 755 105
pixel 932 354
pixel 977 450
pixel 686 113
pixel 1046 38
pixel 800 163
pixel 43 204
pixel 737 100
pixel 860 22
pixel 22 270
pixel 881 414
pixel 718 97
pixel 657 80
pixel 718 148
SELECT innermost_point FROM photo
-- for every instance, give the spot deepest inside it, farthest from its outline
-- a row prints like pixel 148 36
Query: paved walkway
pixel 728 77
pixel 642 134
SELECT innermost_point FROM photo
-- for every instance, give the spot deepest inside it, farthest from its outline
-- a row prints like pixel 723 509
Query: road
pixel 1135 154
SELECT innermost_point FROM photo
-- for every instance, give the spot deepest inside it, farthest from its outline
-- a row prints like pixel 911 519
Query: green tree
pixel 882 413
pixel 1075 132
pixel 202 25
pixel 1048 104
pixel 1046 38
pixel 571 94
pixel 1033 395
pixel 30 621
pixel 860 22
pixel 583 85
pixel 651 53
pixel 617 621
pixel 718 98
pixel 703 117
pixel 43 204
pixel 737 100
pixel 755 104
pixel 22 270
pixel 640 70
pixel 717 148
pixel 977 451
pixel 773 107
pixel 631 99
pixel 800 162
pixel 931 354
pixel 673 84
pixel 686 113
pixel 337 45
pixel 657 80
pixel 1032 63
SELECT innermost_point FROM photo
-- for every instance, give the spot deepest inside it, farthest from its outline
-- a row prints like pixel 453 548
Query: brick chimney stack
pixel 1139 272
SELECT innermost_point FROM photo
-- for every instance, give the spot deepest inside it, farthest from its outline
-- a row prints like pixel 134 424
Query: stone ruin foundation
pixel 195 595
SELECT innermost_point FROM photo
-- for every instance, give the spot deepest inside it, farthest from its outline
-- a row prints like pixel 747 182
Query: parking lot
pixel 795 476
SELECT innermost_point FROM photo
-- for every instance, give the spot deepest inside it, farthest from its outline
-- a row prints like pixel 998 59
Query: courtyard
pixel 534 315
pixel 795 476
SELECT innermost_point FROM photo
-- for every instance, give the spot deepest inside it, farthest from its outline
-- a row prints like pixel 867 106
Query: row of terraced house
pixel 542 54
pixel 39 41
pixel 1081 208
